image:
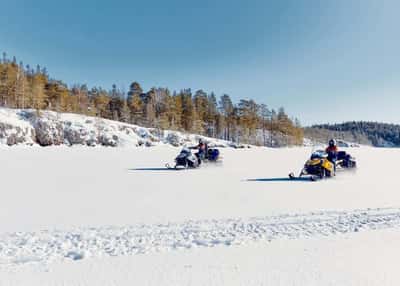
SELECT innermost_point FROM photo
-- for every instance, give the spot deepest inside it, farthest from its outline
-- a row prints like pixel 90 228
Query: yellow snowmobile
pixel 317 167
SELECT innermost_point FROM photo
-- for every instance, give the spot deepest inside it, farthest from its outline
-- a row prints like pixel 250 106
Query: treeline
pixel 372 133
pixel 197 112
pixel 322 135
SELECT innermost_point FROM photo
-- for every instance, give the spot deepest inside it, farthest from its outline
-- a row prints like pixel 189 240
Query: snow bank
pixel 46 128
pixel 13 130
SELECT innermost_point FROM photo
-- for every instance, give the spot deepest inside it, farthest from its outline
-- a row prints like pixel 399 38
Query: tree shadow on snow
pixel 284 179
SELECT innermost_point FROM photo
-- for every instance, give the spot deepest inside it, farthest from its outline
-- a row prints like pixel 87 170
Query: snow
pixel 350 260
pixel 80 243
pixel 116 216
pixel 46 128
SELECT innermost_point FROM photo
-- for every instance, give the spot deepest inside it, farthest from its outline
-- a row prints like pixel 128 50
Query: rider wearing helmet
pixel 202 150
pixel 332 147
pixel 332 151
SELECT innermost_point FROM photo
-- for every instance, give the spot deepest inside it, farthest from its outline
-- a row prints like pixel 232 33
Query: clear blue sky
pixel 324 61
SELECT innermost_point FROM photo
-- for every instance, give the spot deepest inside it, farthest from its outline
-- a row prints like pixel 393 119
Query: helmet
pixel 332 143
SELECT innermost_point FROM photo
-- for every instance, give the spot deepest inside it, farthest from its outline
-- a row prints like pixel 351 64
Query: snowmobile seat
pixel 212 154
pixel 346 160
pixel 342 155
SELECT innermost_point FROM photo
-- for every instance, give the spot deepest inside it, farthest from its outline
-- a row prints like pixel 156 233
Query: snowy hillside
pixel 46 128
pixel 27 127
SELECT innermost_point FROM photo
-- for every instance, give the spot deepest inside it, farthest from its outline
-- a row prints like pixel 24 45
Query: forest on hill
pixel 368 133
pixel 197 112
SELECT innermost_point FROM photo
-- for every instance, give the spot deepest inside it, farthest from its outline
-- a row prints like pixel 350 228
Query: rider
pixel 202 150
pixel 332 151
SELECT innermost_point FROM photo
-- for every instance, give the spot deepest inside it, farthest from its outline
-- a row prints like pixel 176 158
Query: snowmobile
pixel 211 155
pixel 317 167
pixel 185 160
pixel 345 160
pixel 320 166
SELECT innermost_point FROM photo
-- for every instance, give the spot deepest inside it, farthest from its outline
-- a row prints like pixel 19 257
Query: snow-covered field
pixel 116 216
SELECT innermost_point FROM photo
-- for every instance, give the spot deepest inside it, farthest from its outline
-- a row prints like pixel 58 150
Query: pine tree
pixel 38 91
pixel 227 110
pixel 264 118
pixel 22 87
pixel 81 93
pixel 125 112
pixel 149 108
pixel 101 102
pixel 174 111
pixel 135 103
pixel 188 111
pixel 248 118
pixel 211 115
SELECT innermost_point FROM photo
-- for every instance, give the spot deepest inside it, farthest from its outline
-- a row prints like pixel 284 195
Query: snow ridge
pixel 54 245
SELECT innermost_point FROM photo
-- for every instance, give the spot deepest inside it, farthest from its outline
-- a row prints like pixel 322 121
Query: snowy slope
pixel 28 127
pixel 119 212
pixel 46 128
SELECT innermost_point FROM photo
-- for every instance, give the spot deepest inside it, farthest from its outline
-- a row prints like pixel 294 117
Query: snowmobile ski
pixel 303 178
pixel 169 167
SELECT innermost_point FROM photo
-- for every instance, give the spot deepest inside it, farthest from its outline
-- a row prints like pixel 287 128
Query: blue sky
pixel 324 61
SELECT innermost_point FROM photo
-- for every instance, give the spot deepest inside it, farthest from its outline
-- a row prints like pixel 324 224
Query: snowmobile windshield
pixel 184 153
pixel 319 154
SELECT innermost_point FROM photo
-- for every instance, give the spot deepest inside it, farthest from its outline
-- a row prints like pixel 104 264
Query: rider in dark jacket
pixel 202 150
pixel 332 151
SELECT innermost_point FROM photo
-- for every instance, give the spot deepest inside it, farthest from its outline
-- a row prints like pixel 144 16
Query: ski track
pixel 43 247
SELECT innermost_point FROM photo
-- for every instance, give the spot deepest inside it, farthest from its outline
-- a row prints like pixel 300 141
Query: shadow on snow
pixel 284 179
pixel 153 169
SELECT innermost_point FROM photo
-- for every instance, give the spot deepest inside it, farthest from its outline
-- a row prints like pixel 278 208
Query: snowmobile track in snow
pixel 50 245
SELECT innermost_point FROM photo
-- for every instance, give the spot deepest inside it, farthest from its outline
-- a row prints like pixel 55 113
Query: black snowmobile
pixel 345 160
pixel 185 160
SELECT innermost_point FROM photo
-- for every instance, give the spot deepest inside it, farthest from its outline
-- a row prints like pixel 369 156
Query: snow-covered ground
pixel 352 260
pixel 116 216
